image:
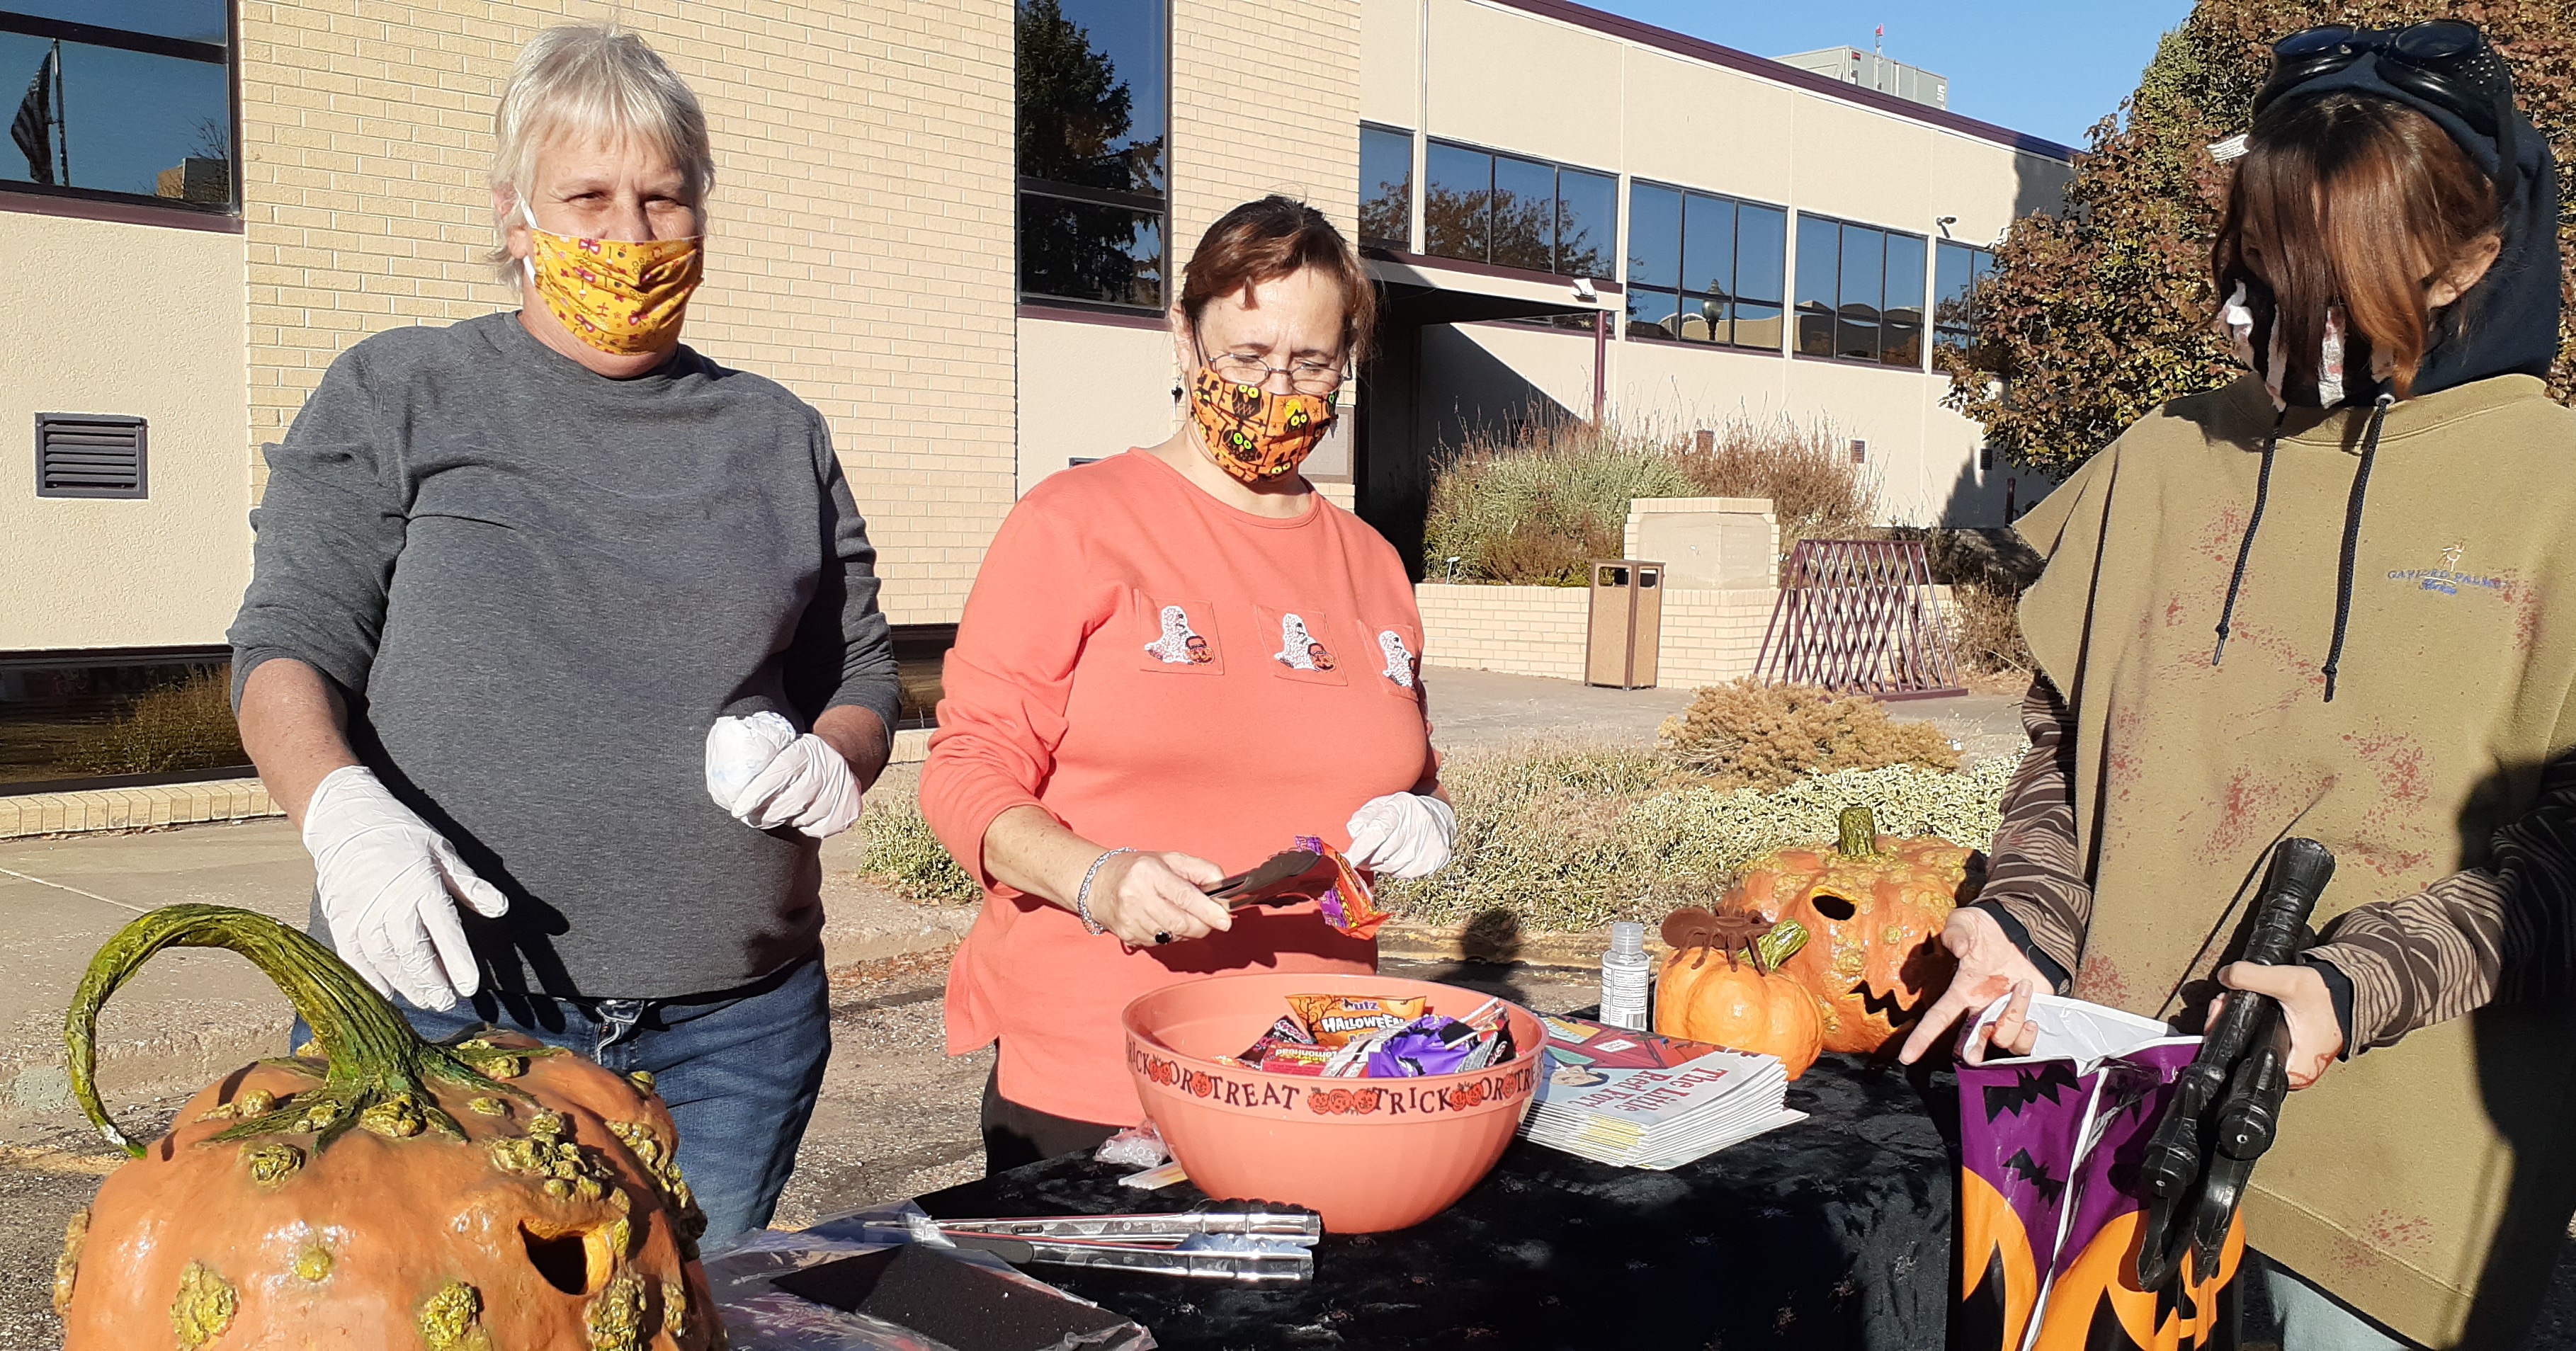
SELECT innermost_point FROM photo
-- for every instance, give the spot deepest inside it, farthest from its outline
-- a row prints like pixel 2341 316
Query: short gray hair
pixel 596 80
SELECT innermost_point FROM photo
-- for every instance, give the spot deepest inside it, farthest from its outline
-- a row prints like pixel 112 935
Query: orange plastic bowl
pixel 1366 1154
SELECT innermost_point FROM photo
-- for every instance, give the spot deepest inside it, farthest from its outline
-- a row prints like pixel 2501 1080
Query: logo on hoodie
pixel 2447 579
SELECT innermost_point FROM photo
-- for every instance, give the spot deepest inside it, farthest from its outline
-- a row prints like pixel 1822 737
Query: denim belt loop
pixel 618 1019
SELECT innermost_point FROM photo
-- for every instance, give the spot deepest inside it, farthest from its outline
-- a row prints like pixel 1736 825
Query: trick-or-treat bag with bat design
pixel 2049 1208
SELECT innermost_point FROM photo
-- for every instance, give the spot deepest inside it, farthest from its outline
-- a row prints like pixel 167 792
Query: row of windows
pixel 1701 267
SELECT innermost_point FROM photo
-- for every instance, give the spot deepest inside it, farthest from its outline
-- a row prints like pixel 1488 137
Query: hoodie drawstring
pixel 2245 546
pixel 2352 538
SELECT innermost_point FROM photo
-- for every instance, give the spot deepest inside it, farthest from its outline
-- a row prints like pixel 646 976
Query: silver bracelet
pixel 1082 894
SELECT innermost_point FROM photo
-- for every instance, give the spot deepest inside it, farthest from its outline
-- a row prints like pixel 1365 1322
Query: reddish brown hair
pixel 2349 199
pixel 1272 238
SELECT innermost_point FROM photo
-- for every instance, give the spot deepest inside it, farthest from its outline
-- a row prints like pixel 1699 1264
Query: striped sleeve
pixel 2035 885
pixel 2501 932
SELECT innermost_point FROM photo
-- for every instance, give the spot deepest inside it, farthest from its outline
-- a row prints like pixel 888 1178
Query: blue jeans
pixel 739 1070
pixel 2307 1319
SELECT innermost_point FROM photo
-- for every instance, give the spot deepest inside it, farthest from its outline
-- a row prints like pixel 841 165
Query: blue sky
pixel 2048 67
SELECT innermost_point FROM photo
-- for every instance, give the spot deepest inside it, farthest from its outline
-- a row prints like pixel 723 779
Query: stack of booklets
pixel 1638 1100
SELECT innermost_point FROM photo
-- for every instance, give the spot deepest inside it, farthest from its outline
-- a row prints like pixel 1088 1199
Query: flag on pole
pixel 33 127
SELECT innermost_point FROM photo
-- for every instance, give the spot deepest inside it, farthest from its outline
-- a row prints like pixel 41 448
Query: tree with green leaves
pixel 2093 318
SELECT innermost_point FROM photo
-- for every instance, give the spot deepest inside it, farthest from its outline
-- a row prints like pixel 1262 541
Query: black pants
pixel 1016 1135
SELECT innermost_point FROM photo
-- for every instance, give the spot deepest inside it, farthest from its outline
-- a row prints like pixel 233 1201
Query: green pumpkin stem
pixel 373 1057
pixel 1780 944
pixel 1859 833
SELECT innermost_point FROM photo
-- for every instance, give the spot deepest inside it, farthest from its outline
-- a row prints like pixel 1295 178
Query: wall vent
pixel 1860 451
pixel 90 455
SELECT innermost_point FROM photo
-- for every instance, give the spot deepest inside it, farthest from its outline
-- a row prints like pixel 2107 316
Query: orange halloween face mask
pixel 1254 434
pixel 620 296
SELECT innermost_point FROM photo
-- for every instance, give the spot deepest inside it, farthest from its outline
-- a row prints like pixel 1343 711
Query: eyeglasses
pixel 1306 377
pixel 2446 62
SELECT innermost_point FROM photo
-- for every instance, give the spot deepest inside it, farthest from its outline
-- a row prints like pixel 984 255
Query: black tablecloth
pixel 1834 1233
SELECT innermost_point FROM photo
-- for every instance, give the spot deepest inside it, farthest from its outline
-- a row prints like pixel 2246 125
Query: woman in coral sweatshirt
pixel 1175 662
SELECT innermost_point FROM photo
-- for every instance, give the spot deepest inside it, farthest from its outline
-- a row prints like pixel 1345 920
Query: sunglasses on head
pixel 2445 62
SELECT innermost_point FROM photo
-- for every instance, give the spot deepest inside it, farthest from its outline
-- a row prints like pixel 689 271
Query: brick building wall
pixel 860 246
pixel 1265 98
pixel 1708 637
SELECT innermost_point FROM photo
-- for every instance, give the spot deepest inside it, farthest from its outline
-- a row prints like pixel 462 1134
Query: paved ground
pixel 896 1117
pixel 1483 708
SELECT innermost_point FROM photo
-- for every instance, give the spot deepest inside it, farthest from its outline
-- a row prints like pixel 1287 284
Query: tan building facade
pixel 971 303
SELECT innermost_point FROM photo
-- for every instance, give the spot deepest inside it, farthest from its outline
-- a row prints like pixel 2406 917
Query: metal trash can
pixel 1627 625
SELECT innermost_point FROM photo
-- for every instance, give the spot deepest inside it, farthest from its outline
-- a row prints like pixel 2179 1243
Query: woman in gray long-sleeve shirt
pixel 562 644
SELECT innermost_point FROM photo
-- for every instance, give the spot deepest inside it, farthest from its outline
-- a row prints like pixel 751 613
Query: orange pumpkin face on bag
pixel 1723 986
pixel 1873 906
pixel 491 1193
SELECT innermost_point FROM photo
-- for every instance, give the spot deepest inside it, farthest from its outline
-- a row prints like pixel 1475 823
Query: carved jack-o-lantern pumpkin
pixel 385 1192
pixel 1873 906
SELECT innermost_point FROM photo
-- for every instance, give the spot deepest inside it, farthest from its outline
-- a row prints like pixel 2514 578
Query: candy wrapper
pixel 1346 904
pixel 1288 1031
pixel 1429 1045
pixel 1296 1060
pixel 1332 1020
pixel 1136 1147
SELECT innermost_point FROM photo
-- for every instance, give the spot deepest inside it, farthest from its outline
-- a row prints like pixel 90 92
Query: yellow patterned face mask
pixel 625 297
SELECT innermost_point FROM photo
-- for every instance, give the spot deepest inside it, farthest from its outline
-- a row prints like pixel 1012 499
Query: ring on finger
pixel 1162 936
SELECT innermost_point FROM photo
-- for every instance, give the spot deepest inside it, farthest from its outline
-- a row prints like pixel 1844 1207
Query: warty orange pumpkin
pixel 1723 986
pixel 1873 906
pixel 378 1190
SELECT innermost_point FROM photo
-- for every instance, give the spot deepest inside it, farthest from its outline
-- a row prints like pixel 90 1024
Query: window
pixel 1092 167
pixel 1860 293
pixel 139 111
pixel 1704 268
pixel 1957 270
pixel 1482 207
pixel 1386 186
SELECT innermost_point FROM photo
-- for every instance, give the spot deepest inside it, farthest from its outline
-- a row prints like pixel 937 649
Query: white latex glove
pixel 389 887
pixel 767 776
pixel 1402 835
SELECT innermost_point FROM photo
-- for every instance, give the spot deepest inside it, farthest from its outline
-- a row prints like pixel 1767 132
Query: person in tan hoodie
pixel 2335 599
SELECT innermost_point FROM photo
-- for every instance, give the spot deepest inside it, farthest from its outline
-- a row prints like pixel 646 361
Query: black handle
pixel 2298 876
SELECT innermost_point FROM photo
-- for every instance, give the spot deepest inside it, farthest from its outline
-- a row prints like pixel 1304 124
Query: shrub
pixel 1986 629
pixel 900 850
pixel 1533 510
pixel 1804 468
pixel 184 726
pixel 1561 839
pixel 1767 736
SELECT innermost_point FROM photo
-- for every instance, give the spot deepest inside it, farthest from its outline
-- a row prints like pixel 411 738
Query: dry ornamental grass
pixel 1532 510
pixel 1747 735
pixel 900 848
pixel 1816 492
pixel 184 726
pixel 1565 839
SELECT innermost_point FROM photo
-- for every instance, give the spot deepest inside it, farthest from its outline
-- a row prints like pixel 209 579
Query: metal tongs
pixel 1273 1244
pixel 2226 1106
